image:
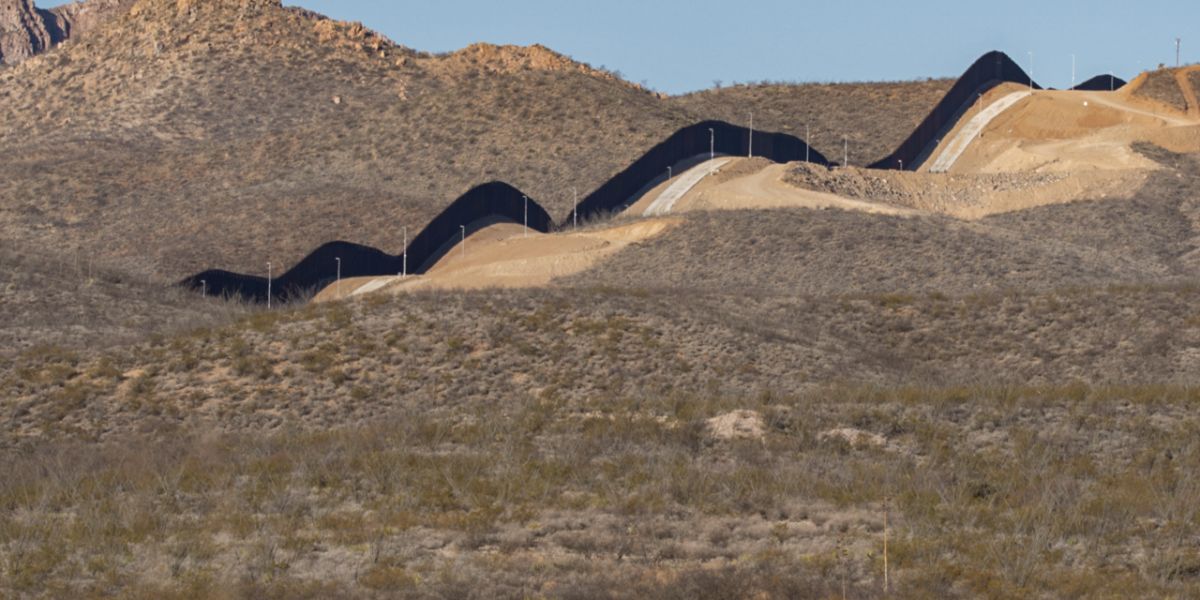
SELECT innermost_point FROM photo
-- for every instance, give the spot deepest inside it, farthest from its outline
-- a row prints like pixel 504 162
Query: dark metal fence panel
pixel 689 142
pixel 500 200
pixel 320 268
pixel 1101 83
pixel 495 199
pixel 990 70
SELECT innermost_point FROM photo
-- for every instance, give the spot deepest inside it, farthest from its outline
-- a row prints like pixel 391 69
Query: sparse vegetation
pixel 1083 490
pixel 728 410
pixel 1162 86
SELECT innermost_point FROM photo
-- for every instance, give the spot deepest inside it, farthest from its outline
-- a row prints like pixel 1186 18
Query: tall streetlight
pixel 845 151
pixel 1031 70
pixel 270 276
pixel 526 230
pixel 203 288
pixel 464 240
pixel 404 268
pixel 575 212
pixel 751 134
pixel 339 276
pixel 807 143
pixel 670 174
pixel 1072 71
pixel 1178 46
pixel 712 148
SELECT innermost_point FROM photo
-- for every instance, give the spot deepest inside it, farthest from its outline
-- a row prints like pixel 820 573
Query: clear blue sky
pixel 683 45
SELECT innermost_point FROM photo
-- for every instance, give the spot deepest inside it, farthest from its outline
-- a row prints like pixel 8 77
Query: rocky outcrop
pixel 23 31
pixel 26 30
pixel 78 18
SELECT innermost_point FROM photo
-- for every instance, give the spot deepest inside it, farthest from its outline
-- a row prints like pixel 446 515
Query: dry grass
pixel 348 365
pixel 1021 391
pixel 1000 491
pixel 1162 86
pixel 76 302
pixel 1147 239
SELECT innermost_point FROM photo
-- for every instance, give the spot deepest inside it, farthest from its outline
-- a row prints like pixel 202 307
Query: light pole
pixel 339 276
pixel 203 288
pixel 1178 45
pixel 464 240
pixel 712 148
pixel 807 143
pixel 526 230
pixel 670 174
pixel 575 212
pixel 845 151
pixel 270 276
pixel 751 134
pixel 404 268
pixel 1072 71
pixel 1031 70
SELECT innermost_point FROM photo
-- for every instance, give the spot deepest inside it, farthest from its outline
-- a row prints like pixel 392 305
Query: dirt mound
pixel 970 195
pixel 738 425
pixel 1176 90
pixel 1162 87
pixel 505 256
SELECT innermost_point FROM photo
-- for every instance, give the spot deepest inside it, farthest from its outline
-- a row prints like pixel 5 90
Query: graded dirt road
pixel 503 256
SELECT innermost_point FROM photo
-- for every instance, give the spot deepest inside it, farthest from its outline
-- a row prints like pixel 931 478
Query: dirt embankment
pixel 971 196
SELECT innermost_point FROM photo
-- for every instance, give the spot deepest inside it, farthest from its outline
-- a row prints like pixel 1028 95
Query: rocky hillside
pixel 26 30
pixel 183 136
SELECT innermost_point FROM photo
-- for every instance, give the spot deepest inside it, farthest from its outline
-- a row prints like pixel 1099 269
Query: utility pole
pixel 1072 71
pixel 575 191
pixel 269 278
pixel 526 232
pixel 845 151
pixel 807 143
pixel 1178 46
pixel 339 277
pixel 404 271
pixel 464 240
pixel 203 288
